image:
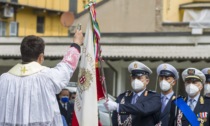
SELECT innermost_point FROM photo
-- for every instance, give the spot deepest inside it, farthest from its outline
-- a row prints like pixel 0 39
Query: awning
pixel 178 52
pixel 195 5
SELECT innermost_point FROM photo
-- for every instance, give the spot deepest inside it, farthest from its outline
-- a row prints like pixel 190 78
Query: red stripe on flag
pixel 74 120
pixel 100 91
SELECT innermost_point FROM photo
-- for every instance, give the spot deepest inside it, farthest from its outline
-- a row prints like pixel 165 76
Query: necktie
pixel 64 105
pixel 134 99
pixel 191 104
pixel 164 99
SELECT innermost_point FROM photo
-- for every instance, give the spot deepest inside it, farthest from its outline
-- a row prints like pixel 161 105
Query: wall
pixel 170 10
pixel 124 16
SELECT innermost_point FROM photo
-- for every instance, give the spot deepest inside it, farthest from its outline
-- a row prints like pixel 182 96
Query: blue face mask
pixel 65 99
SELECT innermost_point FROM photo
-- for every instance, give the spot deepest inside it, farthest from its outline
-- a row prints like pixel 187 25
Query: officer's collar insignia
pixel 145 93
pixel 208 71
pixel 174 97
pixel 135 65
pixel 191 72
pixel 164 66
pixel 201 100
pixel 128 93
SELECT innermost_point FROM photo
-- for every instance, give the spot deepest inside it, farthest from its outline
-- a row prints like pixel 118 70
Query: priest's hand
pixel 78 37
pixel 110 105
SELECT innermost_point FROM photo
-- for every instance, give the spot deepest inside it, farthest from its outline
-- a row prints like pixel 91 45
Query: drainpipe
pixel 115 78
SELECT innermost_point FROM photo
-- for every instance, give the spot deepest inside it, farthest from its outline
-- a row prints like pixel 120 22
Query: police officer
pixel 139 107
pixel 168 77
pixel 206 71
pixel 193 109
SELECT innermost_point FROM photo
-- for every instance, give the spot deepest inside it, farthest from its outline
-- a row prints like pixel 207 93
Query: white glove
pixel 110 105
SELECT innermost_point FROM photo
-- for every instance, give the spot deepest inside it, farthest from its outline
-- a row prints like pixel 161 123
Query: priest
pixel 27 91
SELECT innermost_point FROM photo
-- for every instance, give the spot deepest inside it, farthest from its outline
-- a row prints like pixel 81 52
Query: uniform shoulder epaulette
pixel 151 91
pixel 126 93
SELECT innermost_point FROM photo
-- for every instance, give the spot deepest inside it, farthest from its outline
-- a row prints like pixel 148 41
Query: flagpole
pixel 103 79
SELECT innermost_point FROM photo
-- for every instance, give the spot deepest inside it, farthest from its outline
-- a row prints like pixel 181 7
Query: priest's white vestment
pixel 27 92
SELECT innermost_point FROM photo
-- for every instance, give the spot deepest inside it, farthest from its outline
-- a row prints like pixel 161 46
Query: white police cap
pixel 206 72
pixel 167 70
pixel 137 69
pixel 193 73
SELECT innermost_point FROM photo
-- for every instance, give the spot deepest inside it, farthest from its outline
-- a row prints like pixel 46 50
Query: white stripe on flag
pixel 86 108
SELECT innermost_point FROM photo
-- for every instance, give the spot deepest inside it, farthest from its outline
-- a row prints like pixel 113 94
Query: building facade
pixel 152 32
pixel 37 17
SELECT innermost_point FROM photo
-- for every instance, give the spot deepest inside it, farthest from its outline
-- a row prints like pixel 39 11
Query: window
pixel 2 28
pixel 40 25
pixel 13 28
pixel 197 18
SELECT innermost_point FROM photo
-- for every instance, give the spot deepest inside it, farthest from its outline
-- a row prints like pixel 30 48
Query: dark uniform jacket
pixel 68 114
pixel 145 112
pixel 165 115
pixel 202 106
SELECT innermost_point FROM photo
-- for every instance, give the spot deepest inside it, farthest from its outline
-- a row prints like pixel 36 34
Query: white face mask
pixel 137 85
pixel 207 89
pixel 165 86
pixel 191 89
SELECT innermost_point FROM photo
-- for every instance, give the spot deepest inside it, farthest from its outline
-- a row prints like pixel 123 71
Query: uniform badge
pixel 191 72
pixel 164 66
pixel 202 117
pixel 135 65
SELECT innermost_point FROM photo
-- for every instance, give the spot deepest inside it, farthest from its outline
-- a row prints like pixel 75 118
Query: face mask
pixel 137 85
pixel 164 85
pixel 191 89
pixel 65 99
pixel 206 88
